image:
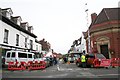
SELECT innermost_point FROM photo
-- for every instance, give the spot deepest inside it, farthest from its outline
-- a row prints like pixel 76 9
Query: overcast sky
pixel 60 22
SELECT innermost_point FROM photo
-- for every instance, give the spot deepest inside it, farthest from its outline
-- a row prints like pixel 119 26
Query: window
pixel 22 55
pixel 17 40
pixel 6 36
pixel 37 47
pixel 25 42
pixel 29 55
pixel 90 56
pixel 8 55
pixel 13 54
pixel 31 44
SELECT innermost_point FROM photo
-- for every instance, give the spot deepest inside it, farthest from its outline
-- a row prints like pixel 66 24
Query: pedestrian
pixel 55 60
pixel 83 60
pixel 65 59
pixel 51 60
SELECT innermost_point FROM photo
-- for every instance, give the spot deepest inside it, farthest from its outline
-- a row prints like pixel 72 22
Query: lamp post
pixel 89 48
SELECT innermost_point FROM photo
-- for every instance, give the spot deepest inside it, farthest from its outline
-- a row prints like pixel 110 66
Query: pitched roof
pixel 12 24
pixel 107 14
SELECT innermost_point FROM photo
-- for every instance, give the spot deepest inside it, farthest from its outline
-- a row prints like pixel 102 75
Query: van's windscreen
pixel 22 55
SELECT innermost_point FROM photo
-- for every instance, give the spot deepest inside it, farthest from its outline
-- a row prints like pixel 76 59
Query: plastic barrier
pixel 43 64
pixel 36 65
pixel 115 62
pixel 16 66
pixel 102 63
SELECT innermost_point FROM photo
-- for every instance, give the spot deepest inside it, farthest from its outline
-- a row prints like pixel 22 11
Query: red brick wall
pixel 114 38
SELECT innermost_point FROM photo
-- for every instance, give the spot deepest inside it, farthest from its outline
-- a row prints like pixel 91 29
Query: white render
pixel 82 46
pixel 12 37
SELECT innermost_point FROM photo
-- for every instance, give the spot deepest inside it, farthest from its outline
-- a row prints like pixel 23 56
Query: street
pixel 64 71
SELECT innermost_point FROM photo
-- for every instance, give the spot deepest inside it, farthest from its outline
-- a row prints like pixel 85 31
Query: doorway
pixel 104 50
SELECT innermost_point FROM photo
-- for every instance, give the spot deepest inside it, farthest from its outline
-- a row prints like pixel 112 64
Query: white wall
pixel 12 36
pixel 1 32
pixel 39 47
pixel 82 47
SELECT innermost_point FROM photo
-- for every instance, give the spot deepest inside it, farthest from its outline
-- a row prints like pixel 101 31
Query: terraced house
pixel 105 32
pixel 15 34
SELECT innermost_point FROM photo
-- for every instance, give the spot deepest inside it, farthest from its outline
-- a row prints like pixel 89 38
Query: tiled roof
pixel 107 14
pixel 12 24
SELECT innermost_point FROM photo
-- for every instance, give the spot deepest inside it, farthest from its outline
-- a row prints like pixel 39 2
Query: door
pixel 104 50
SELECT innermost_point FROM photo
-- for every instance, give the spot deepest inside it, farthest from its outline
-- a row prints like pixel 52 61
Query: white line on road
pixel 108 75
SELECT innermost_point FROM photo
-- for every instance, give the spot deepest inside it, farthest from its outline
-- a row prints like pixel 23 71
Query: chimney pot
pixel 93 17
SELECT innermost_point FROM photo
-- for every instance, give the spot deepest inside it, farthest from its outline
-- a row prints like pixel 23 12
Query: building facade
pixel 16 35
pixel 105 33
pixel 81 47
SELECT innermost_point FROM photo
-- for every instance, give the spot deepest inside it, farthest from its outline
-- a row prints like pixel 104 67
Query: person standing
pixel 51 60
pixel 83 60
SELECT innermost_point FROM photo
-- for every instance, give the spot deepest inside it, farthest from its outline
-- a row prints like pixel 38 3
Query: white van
pixel 18 56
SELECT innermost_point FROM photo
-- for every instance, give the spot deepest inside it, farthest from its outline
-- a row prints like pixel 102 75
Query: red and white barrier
pixel 115 62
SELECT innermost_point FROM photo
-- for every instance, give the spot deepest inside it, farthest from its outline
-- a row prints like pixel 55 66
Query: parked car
pixel 90 58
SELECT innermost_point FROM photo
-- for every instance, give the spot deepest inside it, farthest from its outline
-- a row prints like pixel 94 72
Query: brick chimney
pixel 93 17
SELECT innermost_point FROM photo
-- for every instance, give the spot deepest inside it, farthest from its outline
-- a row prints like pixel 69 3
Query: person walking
pixel 51 60
pixel 83 60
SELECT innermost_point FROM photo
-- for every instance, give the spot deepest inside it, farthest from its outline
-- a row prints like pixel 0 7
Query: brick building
pixel 105 32
pixel 46 46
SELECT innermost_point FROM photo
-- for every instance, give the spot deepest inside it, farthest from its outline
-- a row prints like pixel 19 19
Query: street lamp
pixel 89 51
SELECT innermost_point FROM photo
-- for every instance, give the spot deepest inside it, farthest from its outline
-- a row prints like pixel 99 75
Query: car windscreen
pixel 90 56
pixel 100 56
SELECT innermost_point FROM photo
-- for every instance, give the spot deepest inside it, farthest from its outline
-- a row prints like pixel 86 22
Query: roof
pixel 12 24
pixel 107 14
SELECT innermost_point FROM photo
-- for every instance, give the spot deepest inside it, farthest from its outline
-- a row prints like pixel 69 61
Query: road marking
pixel 108 74
pixel 86 74
pixel 58 68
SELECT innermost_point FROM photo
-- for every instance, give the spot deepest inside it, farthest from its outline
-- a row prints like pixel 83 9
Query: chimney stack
pixel 93 17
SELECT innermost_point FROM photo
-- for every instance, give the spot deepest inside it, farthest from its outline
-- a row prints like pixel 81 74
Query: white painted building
pixel 82 46
pixel 16 35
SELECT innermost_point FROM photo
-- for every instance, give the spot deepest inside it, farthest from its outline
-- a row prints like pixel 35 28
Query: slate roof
pixel 12 24
pixel 107 14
